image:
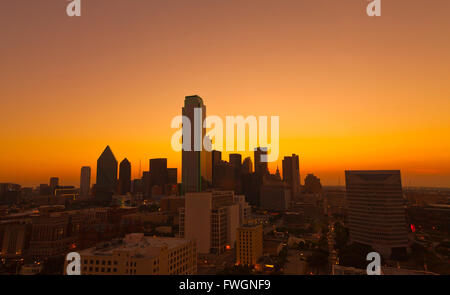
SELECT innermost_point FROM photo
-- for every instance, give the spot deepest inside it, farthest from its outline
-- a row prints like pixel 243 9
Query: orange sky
pixel 352 92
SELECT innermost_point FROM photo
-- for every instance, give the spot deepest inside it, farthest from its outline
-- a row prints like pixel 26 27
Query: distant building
pixel 247 166
pixel 158 169
pixel 312 184
pixel 85 181
pixel 172 175
pixel 107 170
pixel 68 192
pixel 191 159
pixel 140 255
pixel 216 159
pixel 249 244
pixel 275 194
pixel 224 176
pixel 44 189
pixel 10 193
pixel 291 173
pixel 261 167
pixel 124 177
pixel 171 204
pixel 376 210
pixel 54 182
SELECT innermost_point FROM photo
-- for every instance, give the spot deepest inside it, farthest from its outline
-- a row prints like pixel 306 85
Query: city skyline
pixel 73 86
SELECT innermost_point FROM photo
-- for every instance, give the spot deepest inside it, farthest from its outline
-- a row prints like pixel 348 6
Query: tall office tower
pixel 54 182
pixel 376 210
pixel 291 173
pixel 247 166
pixel 212 219
pixel 85 181
pixel 261 167
pixel 191 175
pixel 249 244
pixel 158 169
pixel 107 170
pixel 124 177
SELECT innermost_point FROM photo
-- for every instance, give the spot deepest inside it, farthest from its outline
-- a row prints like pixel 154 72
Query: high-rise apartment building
pixel 191 173
pixel 376 210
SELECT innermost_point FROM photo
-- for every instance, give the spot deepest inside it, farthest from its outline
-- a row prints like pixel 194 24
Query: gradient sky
pixel 352 92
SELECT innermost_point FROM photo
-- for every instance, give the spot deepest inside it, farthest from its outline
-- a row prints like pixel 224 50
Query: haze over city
pixel 118 75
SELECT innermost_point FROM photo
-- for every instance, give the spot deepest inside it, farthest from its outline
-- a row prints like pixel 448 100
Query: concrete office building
pixel 376 210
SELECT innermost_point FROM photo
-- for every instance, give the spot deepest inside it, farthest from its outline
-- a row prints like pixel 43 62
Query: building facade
pixel 376 210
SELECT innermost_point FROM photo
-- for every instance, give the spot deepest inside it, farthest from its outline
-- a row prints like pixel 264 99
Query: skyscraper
pixel 376 210
pixel 261 167
pixel 85 181
pixel 191 175
pixel 158 170
pixel 54 182
pixel 107 170
pixel 124 177
pixel 247 166
pixel 236 161
pixel 291 173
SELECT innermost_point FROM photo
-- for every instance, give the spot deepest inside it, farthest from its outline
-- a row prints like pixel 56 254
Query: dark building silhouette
pixel 85 181
pixel 172 175
pixel 124 177
pixel 44 189
pixel 9 193
pixel 291 173
pixel 106 183
pixel 158 169
pixel 247 166
pixel 236 163
pixel 216 158
pixel 191 170
pixel 54 182
pixel 261 167
pixel 274 193
pixel 312 184
pixel 251 186
pixel 224 177
pixel 147 183
pixel 107 169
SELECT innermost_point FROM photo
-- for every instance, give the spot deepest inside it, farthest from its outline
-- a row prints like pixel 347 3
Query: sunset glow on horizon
pixel 352 92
